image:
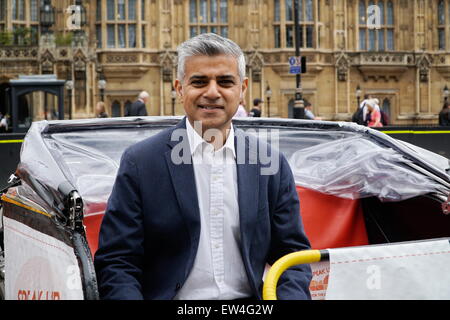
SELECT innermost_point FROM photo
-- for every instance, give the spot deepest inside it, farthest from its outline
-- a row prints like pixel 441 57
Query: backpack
pixel 358 116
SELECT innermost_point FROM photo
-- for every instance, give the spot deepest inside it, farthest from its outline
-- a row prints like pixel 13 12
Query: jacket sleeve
pixel 288 236
pixel 120 256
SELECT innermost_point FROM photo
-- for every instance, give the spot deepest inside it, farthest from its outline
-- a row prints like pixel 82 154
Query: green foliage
pixel 63 40
pixel 22 36
pixel 6 38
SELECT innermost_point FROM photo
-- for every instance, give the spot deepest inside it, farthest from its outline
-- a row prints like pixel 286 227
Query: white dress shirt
pixel 218 271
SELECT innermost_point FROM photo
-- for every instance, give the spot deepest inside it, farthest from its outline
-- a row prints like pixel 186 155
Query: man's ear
pixel 178 87
pixel 244 88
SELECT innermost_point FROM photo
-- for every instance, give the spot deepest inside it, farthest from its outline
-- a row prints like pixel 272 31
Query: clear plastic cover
pixel 357 167
pixel 346 163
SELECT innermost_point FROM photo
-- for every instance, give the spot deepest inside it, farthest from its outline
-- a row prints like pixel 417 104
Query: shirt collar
pixel 195 140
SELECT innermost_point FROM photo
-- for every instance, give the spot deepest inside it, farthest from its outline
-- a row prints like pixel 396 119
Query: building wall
pixel 411 76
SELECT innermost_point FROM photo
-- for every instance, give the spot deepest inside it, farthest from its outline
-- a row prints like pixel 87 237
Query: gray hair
pixel 143 95
pixel 209 44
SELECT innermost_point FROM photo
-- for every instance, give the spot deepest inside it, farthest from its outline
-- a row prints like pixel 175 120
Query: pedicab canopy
pixel 340 159
pixel 68 168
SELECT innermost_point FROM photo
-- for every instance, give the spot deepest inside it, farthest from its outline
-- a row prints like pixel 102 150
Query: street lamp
pixel 47 16
pixel 102 86
pixel 299 106
pixel 173 94
pixel 268 95
pixel 69 88
pixel 446 93
pixel 358 95
pixel 80 11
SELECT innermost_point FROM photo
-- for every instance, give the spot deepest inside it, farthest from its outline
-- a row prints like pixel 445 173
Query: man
pixel 201 228
pixel 256 110
pixel 138 108
pixel 308 112
pixel 360 115
pixel 100 110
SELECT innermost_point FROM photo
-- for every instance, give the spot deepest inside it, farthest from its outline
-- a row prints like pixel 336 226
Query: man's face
pixel 211 90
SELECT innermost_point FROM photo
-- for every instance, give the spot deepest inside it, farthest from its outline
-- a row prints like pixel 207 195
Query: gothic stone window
pixel 2 15
pixel 376 25
pixel 121 22
pixel 208 16
pixel 284 19
pixel 443 22
pixel 22 18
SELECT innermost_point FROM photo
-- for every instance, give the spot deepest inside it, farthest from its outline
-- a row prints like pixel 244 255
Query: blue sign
pixel 295 65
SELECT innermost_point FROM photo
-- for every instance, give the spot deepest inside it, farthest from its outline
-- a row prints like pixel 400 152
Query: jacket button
pixel 178 286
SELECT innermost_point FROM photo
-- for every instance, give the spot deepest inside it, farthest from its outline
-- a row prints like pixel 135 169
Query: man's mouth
pixel 210 107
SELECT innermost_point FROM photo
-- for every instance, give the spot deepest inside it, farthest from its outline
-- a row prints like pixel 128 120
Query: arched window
pixel 115 109
pixel 127 104
pixel 208 16
pixel 284 23
pixel 376 25
pixel 386 107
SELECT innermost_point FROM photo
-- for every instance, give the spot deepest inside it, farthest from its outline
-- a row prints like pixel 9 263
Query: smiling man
pixel 203 227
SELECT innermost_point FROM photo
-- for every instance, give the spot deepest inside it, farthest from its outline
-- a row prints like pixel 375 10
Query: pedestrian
pixel 373 114
pixel 177 227
pixel 308 112
pixel 100 110
pixel 138 107
pixel 4 123
pixel 241 112
pixel 444 115
pixel 360 115
pixel 256 110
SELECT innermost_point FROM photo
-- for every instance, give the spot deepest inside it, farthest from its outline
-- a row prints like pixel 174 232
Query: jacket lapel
pixel 248 171
pixel 183 180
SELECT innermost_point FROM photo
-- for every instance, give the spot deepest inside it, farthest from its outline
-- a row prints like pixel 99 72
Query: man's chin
pixel 212 123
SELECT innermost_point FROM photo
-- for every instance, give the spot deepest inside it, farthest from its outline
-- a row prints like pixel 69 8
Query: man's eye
pixel 197 83
pixel 226 83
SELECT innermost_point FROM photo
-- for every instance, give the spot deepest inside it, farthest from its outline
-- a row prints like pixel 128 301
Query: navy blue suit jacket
pixel 151 229
pixel 137 108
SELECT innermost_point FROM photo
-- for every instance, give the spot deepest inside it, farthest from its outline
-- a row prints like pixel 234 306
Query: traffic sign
pixel 295 65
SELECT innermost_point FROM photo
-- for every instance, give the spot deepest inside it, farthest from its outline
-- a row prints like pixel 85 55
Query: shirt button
pixel 216 245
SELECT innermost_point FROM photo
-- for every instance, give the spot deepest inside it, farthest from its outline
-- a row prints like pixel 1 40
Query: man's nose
pixel 212 90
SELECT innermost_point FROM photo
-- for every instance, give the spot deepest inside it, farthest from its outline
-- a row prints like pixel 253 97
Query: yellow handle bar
pixel 282 264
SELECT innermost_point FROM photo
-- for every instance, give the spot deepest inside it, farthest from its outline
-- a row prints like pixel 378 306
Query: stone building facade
pixel 396 50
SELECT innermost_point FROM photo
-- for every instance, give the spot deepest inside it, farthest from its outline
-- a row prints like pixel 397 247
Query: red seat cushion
pixel 330 221
pixel 93 217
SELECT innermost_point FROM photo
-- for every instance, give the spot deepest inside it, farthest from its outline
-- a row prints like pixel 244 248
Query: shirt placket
pixel 216 220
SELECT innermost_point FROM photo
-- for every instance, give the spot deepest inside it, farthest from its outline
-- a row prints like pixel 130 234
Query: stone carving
pixel 167 61
pixel 256 63
pixel 424 64
pixel 342 66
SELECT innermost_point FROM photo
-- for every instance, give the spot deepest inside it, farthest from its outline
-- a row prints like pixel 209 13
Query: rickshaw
pixel 357 186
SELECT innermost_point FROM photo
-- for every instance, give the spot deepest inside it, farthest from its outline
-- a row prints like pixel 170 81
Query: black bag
pixel 358 116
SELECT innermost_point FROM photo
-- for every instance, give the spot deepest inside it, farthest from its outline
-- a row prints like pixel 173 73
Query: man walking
pixel 138 107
